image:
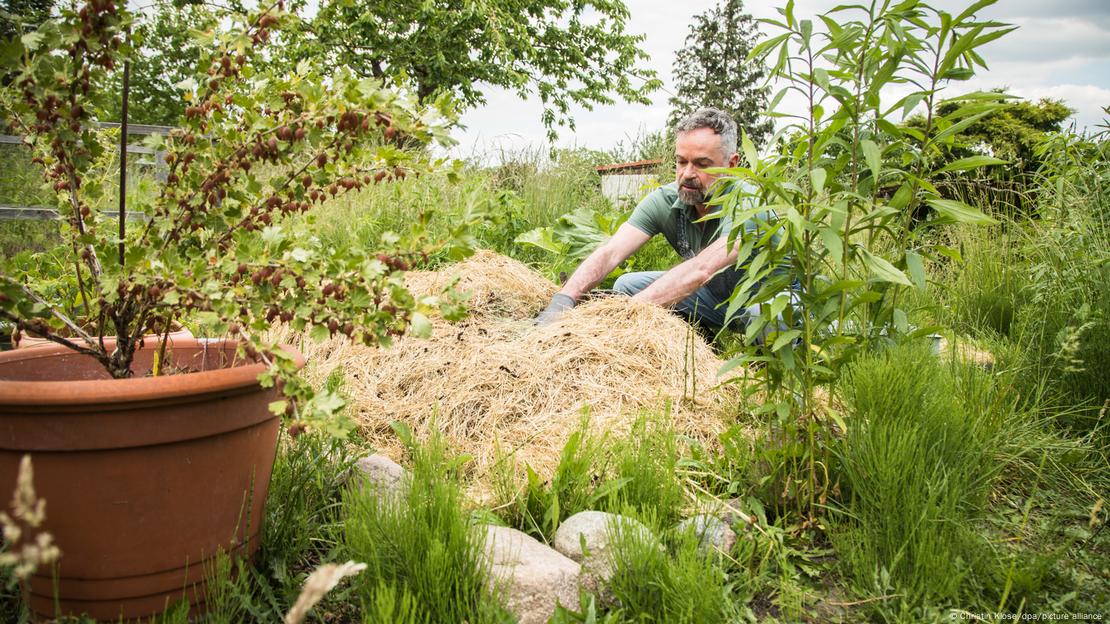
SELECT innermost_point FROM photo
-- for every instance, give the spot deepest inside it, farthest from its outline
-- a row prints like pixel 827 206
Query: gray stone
pixel 593 529
pixel 732 513
pixel 714 535
pixel 382 473
pixel 532 576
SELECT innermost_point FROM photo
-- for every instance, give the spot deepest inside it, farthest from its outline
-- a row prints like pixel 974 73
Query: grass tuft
pixel 419 546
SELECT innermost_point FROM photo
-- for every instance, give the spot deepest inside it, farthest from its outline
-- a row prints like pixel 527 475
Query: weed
pixel 678 584
pixel 915 461
pixel 418 544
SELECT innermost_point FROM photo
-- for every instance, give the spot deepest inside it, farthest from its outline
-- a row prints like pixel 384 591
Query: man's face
pixel 695 151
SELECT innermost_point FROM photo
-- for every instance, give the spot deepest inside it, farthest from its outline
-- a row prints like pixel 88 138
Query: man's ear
pixel 733 160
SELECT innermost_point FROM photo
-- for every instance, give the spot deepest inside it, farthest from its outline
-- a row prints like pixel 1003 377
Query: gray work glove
pixel 559 303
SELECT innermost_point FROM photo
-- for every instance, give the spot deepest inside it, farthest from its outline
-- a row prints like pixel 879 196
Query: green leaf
pixel 778 305
pixel 277 408
pixel 542 237
pixel 32 40
pixel 902 196
pixel 958 127
pixel 960 212
pixel 958 73
pixel 916 269
pixel 328 402
pixel 785 338
pixel 421 326
pixel 833 243
pixel 883 270
pixel 873 156
pixel 901 322
pixel 817 178
pixel 971 162
pixel 10 51
pixel 950 253
pixel 319 333
pixel 749 150
pixel 973 9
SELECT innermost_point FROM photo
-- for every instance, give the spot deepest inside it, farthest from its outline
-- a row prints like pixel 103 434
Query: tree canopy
pixel 1011 132
pixel 566 53
pixel 165 53
pixel 21 15
pixel 712 70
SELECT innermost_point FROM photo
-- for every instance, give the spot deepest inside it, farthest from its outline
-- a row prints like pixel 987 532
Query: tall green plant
pixel 1064 329
pixel 846 183
pixel 916 463
pixel 418 544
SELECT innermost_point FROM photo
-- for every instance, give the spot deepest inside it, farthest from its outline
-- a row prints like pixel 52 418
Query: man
pixel 705 279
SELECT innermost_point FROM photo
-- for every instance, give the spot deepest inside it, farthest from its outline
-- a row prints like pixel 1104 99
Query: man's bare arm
pixel 624 242
pixel 681 281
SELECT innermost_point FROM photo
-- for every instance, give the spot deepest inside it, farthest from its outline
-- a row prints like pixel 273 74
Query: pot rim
pixel 134 390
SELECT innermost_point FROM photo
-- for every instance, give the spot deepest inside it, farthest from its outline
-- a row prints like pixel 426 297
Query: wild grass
pixel 600 472
pixel 1064 331
pixel 540 505
pixel 676 582
pixel 645 462
pixel 419 546
pixel 982 295
pixel 916 461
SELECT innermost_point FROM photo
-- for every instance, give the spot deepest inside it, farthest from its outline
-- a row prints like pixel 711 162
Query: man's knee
pixel 632 283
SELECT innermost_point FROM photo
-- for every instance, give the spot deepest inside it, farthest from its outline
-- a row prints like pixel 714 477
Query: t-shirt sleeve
pixel 645 217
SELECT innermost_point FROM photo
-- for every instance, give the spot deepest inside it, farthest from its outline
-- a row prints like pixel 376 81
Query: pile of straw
pixel 494 379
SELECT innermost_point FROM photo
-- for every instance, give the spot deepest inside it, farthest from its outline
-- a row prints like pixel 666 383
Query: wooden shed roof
pixel 629 167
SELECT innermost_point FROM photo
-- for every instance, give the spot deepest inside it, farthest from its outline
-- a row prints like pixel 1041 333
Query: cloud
pixel 1087 100
pixel 1061 50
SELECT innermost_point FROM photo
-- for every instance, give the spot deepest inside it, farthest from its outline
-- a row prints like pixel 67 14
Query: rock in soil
pixel 381 473
pixel 533 576
pixel 714 535
pixel 593 529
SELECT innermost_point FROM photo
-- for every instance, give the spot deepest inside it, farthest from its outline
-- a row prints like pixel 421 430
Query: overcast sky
pixel 1061 49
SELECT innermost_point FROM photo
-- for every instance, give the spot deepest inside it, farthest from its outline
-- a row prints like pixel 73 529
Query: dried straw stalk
pixel 495 380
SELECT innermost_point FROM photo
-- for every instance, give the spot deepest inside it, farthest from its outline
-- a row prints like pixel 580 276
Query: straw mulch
pixel 494 379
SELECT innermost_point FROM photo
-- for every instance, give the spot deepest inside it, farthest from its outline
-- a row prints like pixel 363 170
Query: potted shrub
pixel 151 459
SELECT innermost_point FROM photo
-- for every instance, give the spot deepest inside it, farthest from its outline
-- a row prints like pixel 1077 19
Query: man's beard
pixel 691 196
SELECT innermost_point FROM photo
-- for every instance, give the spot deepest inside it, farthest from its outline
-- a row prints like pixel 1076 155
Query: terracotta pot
pixel 145 479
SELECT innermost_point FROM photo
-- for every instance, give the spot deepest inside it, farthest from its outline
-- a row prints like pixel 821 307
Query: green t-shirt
pixel 662 212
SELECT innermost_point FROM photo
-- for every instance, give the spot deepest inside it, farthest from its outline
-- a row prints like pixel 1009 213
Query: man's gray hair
pixel 715 118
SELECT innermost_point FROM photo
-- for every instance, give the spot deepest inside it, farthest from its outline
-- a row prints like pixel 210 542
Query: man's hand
pixel 559 303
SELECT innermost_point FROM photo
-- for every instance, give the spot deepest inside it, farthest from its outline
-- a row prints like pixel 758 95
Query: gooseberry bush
pixel 216 244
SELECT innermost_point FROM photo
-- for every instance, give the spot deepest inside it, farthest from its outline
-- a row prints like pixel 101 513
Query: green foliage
pixel 19 16
pixel 679 584
pixel 982 294
pixel 846 248
pixel 567 53
pixel 713 69
pixel 165 52
pixel 916 461
pixel 574 486
pixel 646 461
pixel 255 148
pixel 418 544
pixel 303 512
pixel 1011 132
pixel 1065 328
pixel 574 236
pixel 637 472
